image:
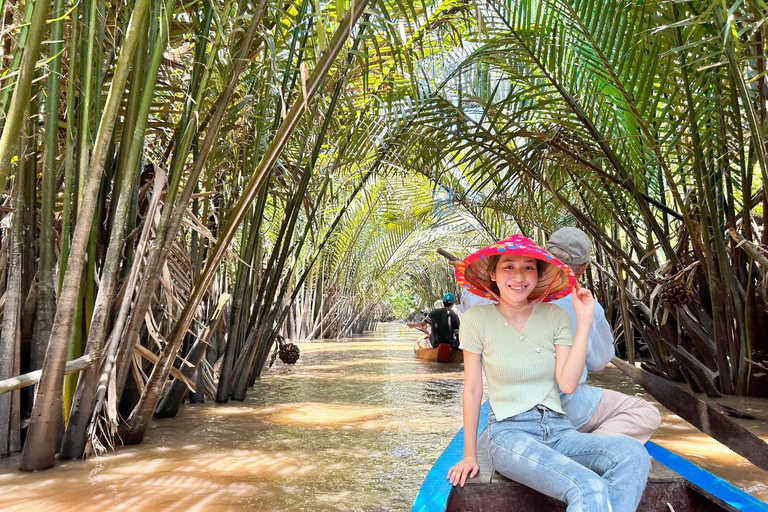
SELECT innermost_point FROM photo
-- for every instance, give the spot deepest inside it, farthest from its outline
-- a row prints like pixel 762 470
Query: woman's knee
pixel 591 493
pixel 631 452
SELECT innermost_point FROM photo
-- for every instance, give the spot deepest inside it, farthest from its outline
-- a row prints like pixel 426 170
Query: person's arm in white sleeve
pixel 601 349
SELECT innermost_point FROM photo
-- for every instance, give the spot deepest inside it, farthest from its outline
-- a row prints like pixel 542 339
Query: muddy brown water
pixel 354 426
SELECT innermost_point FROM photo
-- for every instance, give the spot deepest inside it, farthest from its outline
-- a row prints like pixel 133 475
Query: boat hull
pixel 441 354
pixel 511 497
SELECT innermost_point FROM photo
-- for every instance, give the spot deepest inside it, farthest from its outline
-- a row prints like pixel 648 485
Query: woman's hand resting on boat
pixel 458 474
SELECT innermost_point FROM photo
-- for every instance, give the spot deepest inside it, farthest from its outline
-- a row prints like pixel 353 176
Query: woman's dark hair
pixel 494 260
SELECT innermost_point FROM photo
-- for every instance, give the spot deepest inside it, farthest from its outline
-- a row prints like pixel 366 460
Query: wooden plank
pixel 661 473
pixel 28 379
pixel 700 415
pixel 513 497
pixel 484 461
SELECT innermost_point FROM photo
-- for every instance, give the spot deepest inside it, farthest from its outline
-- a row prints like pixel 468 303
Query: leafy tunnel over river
pixel 189 187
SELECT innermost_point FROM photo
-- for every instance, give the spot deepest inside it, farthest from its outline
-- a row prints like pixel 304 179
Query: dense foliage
pixel 206 179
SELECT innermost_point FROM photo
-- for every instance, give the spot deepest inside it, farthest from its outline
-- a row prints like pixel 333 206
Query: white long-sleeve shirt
pixel 581 404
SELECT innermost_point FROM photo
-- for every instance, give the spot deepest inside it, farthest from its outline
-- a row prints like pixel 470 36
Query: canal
pixel 354 426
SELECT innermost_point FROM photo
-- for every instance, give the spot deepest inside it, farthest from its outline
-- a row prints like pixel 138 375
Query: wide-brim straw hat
pixel 556 279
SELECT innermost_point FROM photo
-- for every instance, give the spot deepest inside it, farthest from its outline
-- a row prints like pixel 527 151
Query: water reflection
pixel 354 426
pixel 436 392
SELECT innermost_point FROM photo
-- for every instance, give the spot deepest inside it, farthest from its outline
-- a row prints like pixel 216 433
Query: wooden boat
pixel 442 354
pixel 675 484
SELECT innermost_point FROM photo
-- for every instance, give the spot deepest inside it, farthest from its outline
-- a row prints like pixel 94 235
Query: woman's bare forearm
pixel 569 376
pixel 471 409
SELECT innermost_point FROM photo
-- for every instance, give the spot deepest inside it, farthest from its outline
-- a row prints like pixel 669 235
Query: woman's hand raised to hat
pixel 583 304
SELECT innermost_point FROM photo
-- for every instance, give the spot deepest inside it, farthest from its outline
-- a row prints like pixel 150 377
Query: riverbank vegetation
pixel 191 184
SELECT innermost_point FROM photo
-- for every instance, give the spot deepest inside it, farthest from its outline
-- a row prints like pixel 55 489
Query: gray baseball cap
pixel 572 241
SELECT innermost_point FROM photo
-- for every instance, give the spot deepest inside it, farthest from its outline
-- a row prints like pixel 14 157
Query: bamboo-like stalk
pixel 32 378
pixel 84 125
pixel 46 299
pixel 69 154
pixel 39 448
pixel 89 88
pixel 21 94
pixel 74 441
pixel 140 417
pixel 175 208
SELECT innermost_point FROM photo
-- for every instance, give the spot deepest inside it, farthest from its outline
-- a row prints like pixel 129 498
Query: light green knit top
pixel 519 366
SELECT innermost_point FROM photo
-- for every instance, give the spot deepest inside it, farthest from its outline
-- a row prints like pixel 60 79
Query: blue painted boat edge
pixel 705 480
pixel 434 492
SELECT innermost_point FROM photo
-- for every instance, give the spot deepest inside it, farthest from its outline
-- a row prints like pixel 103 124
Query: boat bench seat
pixel 492 491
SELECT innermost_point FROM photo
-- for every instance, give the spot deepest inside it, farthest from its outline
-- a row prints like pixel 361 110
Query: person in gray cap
pixel 593 409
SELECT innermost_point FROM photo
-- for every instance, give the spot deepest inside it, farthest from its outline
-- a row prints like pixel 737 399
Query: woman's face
pixel 516 277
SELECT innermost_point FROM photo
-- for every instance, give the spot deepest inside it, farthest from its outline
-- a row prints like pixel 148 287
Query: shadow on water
pixel 354 426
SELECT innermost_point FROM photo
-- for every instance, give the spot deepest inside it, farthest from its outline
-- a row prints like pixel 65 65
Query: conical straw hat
pixel 556 279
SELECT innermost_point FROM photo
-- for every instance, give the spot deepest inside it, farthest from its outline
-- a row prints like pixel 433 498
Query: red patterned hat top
pixel 556 280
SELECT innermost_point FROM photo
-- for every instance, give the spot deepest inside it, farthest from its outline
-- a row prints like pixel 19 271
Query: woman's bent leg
pixel 622 462
pixel 523 458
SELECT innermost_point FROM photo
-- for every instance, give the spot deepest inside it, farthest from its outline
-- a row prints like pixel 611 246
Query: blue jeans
pixel 590 472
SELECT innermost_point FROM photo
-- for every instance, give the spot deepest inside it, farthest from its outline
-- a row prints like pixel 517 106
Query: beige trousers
pixel 624 415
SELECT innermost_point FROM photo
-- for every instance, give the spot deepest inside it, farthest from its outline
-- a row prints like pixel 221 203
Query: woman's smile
pixel 516 276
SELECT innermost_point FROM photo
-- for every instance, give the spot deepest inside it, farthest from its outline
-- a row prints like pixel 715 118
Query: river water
pixel 354 426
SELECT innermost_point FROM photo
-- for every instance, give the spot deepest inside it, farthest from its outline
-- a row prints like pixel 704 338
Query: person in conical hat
pixel 528 351
pixel 555 278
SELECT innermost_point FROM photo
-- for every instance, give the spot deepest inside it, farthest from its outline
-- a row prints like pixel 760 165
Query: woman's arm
pixel 473 397
pixel 570 360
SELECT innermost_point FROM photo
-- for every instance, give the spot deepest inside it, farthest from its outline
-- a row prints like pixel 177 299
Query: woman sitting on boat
pixel 527 349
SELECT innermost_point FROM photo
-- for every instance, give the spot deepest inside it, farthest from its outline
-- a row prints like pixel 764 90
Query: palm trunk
pixel 10 336
pixel 142 414
pixel 22 92
pixel 39 448
pixel 85 396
